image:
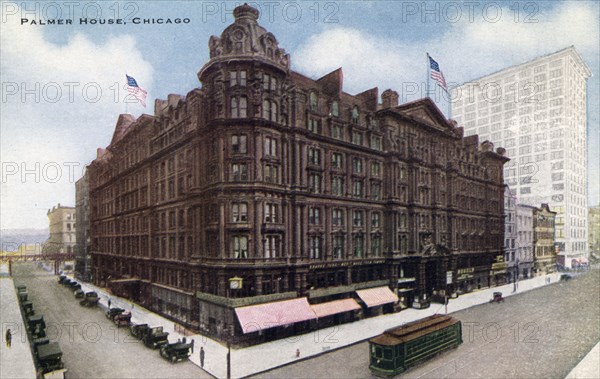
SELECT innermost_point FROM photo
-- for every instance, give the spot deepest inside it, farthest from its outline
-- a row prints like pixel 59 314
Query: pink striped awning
pixel 334 307
pixel 377 296
pixel 269 315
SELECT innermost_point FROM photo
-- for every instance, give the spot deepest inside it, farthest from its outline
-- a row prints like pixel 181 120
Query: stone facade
pixel 61 220
pixel 510 234
pixel 525 240
pixel 537 111
pixel 544 258
pixel 82 247
pixel 266 185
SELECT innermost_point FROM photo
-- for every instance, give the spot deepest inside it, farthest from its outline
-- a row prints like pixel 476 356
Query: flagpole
pixel 428 75
pixel 125 99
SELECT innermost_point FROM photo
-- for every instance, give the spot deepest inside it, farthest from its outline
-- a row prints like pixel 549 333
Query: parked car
pixel 497 298
pixel 175 352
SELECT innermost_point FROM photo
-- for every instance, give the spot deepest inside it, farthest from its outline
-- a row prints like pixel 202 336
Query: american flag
pixel 136 91
pixel 436 73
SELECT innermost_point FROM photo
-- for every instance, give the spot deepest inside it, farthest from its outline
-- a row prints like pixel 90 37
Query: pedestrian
pixel 201 356
pixel 109 303
pixel 297 353
pixel 192 346
pixel 8 338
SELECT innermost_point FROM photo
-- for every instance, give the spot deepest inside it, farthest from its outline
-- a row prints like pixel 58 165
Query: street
pixel 541 333
pixel 92 346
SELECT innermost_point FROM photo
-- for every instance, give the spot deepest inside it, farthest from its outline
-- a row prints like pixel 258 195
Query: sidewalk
pixel 259 358
pixel 16 361
pixel 589 367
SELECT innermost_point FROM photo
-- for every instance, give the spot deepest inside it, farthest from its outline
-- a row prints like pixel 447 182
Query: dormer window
pixel 355 113
pixel 313 102
pixel 335 109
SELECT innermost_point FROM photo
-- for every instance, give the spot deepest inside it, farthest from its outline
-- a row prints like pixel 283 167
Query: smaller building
pixel 510 233
pixel 62 230
pixel 544 259
pixel 524 225
pixel 594 232
pixel 82 209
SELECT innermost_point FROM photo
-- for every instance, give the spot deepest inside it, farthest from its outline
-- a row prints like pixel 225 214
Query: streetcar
pixel 397 349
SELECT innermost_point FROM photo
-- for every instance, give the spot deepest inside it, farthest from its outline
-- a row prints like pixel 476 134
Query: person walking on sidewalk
pixel 201 357
pixel 8 338
pixel 109 303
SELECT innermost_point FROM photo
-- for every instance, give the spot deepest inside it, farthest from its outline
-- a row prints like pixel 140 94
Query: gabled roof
pixel 123 123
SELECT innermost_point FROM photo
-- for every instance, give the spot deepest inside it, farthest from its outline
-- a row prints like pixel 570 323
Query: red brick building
pixel 264 186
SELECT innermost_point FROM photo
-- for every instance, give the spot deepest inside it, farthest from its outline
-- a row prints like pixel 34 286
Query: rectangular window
pixel 375 219
pixel 314 126
pixel 239 107
pixel 337 186
pixel 270 147
pixel 336 132
pixel 239 247
pixel 239 172
pixel 358 218
pixel 271 247
pixel 315 247
pixel 239 144
pixel 375 169
pixel 336 160
pixel 314 183
pixel 314 156
pixel 271 173
pixel 357 165
pixel 338 246
pixel 271 211
pixel 357 138
pixel 314 216
pixel 357 188
pixel 376 191
pixel 337 217
pixel 376 142
pixel 239 212
pixel 376 245
pixel 359 245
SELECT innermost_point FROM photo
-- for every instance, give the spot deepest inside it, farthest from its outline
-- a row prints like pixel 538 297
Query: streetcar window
pixel 378 352
pixel 387 353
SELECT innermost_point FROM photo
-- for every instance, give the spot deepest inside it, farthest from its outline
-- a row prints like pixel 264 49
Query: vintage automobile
pixel 40 341
pixel 28 308
pixel 112 312
pixel 23 295
pixel 21 288
pixel 90 299
pixel 61 279
pixel 156 337
pixel 175 352
pixel 565 277
pixel 37 326
pixel 75 286
pixel 122 319
pixel 79 294
pixel 139 331
pixel 49 357
pixel 497 298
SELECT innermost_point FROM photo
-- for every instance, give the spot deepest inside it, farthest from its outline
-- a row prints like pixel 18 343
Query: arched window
pixel 335 109
pixel 355 114
pixel 313 101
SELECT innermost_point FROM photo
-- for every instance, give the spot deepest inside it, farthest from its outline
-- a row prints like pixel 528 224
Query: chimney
pixel 389 98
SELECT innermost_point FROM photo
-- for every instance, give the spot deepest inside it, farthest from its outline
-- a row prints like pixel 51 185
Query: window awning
pixel 377 296
pixel 334 307
pixel 269 315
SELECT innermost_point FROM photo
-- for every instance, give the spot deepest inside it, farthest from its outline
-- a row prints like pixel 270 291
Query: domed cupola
pixel 246 40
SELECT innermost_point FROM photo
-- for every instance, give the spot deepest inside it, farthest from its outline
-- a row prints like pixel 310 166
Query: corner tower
pixel 247 71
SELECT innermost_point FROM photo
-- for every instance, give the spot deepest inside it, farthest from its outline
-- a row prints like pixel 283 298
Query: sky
pixel 63 85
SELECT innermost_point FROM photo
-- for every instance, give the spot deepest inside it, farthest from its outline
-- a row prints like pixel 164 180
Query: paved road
pixel 92 346
pixel 542 333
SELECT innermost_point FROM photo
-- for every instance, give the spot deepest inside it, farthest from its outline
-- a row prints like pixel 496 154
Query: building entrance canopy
pixel 334 307
pixel 377 296
pixel 269 315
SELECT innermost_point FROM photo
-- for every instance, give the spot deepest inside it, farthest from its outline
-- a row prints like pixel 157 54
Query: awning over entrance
pixel 334 307
pixel 269 315
pixel 377 296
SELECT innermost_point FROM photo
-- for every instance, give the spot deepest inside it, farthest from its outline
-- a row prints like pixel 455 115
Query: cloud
pixel 60 102
pixel 466 50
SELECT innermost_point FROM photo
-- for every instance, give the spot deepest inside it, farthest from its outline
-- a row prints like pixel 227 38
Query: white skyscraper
pixel 537 111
